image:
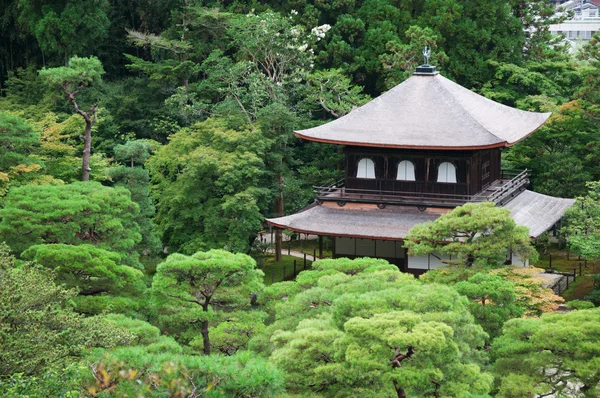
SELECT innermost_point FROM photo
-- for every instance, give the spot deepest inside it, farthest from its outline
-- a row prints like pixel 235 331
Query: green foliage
pixel 86 267
pixel 493 301
pixel 134 153
pixel 38 328
pixel 134 371
pixel 129 303
pixel 54 382
pixel 561 154
pixel 532 296
pixel 71 214
pixel 594 297
pixel 207 183
pixel 233 332
pixel 534 86
pixel 190 291
pixel 402 59
pixel 332 92
pixel 65 28
pixel 557 353
pixel 371 330
pixel 591 81
pixel 60 149
pixel 137 180
pixel 582 224
pixel 17 142
pixel 80 72
pixel 475 233
pixel 579 305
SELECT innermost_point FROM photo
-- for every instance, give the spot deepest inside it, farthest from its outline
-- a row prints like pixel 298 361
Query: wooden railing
pixel 510 189
pixel 503 190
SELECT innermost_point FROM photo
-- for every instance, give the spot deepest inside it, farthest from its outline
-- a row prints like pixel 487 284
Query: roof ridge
pixel 445 81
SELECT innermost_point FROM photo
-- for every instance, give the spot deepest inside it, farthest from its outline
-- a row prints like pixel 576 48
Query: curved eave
pixel 336 235
pixel 375 145
pixel 444 148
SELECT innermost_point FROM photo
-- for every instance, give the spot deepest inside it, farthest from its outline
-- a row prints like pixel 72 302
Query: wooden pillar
pixel 278 244
pixel 320 246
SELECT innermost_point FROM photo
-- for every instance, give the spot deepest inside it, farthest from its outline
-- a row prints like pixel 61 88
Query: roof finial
pixel 426 54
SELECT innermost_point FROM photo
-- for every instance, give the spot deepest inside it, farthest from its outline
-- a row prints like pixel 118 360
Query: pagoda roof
pixel 530 209
pixel 429 111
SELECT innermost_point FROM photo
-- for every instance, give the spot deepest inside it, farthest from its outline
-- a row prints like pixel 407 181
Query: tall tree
pixel 136 179
pixel 194 287
pixel 208 183
pixel 79 74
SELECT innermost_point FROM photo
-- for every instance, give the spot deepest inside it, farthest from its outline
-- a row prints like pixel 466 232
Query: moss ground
pixel 309 247
pixel 562 261
pixel 274 271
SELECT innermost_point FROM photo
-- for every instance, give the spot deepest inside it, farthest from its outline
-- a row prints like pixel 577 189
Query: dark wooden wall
pixel 474 170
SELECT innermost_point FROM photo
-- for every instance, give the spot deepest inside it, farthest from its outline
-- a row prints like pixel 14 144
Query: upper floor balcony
pixel 425 193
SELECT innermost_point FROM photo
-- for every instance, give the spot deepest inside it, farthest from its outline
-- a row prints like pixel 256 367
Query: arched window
pixel 366 168
pixel 446 172
pixel 406 171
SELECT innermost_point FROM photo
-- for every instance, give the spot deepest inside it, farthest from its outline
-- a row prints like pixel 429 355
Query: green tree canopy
pixel 207 183
pixel 369 330
pixel 88 268
pixel 493 301
pixel 582 223
pixel 134 153
pixel 71 79
pixel 474 233
pixel 66 28
pixel 556 354
pixel 190 290
pixel 38 328
pixel 71 214
pixel 17 141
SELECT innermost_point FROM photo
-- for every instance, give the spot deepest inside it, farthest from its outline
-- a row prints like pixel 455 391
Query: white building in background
pixel 584 20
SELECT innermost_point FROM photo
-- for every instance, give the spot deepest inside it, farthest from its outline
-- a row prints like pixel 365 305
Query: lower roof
pixel 533 210
pixel 536 211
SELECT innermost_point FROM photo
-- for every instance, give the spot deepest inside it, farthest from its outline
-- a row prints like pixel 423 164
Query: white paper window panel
pixel 446 172
pixel 426 262
pixel 406 171
pixel 366 168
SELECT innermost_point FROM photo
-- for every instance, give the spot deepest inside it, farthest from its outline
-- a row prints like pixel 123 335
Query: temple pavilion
pixel 419 150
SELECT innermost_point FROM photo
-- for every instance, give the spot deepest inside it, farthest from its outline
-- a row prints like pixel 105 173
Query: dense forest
pixel 144 142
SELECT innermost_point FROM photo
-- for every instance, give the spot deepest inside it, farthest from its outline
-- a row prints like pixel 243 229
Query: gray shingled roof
pixel 536 211
pixel 393 222
pixel 429 111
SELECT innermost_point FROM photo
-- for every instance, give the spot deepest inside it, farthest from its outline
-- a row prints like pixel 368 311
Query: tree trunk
pixel 280 213
pixel 87 151
pixel 90 119
pixel 399 391
pixel 205 338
